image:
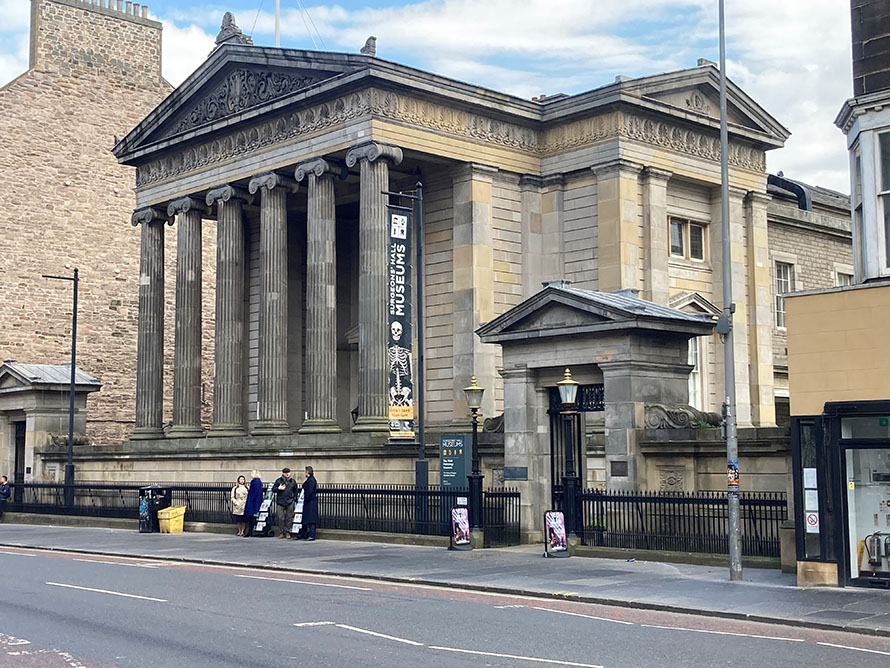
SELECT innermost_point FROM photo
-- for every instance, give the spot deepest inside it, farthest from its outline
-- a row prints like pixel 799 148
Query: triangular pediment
pixel 696 92
pixel 555 316
pixel 236 81
pixel 9 381
pixel 236 90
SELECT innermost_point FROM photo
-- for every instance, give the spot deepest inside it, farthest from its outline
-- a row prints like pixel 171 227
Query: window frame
pixel 780 310
pixel 882 202
pixel 685 226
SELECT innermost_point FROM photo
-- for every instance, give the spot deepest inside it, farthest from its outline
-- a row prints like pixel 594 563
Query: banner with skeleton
pixel 401 383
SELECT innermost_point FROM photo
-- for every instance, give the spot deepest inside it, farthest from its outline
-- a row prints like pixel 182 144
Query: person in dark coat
pixel 4 494
pixel 310 503
pixel 254 501
pixel 285 489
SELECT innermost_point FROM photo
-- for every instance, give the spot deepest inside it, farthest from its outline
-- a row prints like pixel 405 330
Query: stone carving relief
pixel 659 416
pixel 698 103
pixel 495 425
pixel 671 479
pixel 383 104
pixel 239 91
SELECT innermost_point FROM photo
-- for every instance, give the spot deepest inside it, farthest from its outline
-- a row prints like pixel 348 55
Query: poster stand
pixel 555 543
pixel 460 530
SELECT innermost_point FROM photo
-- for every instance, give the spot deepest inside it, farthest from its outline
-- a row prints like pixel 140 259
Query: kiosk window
pixel 809 463
pixel 868 512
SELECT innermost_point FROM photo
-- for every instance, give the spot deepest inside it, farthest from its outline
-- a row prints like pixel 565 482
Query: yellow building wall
pixel 838 347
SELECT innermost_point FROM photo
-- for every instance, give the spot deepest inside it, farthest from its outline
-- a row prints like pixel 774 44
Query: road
pixel 75 610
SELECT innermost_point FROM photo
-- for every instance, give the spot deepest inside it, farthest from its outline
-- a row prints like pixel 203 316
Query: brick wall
pixel 95 74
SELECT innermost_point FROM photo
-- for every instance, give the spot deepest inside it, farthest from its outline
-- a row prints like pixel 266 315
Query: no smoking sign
pixel 812 520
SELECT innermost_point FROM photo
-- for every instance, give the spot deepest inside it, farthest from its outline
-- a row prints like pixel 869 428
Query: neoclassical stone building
pixel 284 155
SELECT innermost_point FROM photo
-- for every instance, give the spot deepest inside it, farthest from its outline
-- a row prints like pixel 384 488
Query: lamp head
pixel 568 389
pixel 473 394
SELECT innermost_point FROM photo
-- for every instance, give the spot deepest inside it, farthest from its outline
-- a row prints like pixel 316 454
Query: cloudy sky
pixel 792 56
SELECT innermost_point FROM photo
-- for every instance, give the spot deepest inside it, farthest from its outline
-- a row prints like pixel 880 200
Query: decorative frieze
pixel 440 118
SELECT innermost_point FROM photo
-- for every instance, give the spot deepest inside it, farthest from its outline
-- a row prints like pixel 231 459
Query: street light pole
pixel 474 402
pixel 568 390
pixel 724 328
pixel 69 467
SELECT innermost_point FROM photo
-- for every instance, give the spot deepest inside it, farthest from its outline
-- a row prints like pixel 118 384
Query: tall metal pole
pixel 732 444
pixel 69 467
pixel 475 479
pixel 421 435
pixel 277 21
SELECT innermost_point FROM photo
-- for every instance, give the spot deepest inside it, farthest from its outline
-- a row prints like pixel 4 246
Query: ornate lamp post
pixel 568 391
pixel 474 403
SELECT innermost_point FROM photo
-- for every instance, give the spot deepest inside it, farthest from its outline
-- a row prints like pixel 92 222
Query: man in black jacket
pixel 285 489
pixel 310 504
pixel 4 494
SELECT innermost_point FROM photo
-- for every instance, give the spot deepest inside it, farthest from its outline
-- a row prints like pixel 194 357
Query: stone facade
pixel 95 72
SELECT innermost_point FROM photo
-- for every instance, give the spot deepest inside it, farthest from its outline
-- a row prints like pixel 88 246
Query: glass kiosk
pixel 842 490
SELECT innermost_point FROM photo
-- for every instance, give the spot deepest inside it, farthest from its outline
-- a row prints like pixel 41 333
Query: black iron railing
pixel 690 522
pixel 386 508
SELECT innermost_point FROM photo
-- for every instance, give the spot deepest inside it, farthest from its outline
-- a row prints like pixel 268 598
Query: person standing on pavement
pixel 310 503
pixel 254 501
pixel 239 499
pixel 4 494
pixel 285 489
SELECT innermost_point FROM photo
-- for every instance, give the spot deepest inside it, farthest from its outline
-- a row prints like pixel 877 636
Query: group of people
pixel 247 499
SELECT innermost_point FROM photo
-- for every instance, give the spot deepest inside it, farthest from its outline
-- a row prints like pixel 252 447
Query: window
pixel 687 239
pixel 784 284
pixel 842 279
pixel 884 191
pixel 695 376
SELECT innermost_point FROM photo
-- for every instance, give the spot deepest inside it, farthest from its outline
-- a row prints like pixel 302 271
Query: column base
pixel 477 539
pixel 184 431
pixel 371 423
pixel 220 430
pixel 146 434
pixel 319 427
pixel 271 428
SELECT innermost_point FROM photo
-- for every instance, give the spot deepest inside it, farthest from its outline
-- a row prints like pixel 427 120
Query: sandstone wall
pixel 95 73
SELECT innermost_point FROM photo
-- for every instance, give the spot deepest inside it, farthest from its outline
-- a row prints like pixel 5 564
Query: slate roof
pixel 49 374
pixel 623 300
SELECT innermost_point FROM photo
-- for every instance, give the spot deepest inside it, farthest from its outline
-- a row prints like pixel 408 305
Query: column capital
pixel 656 174
pixel 373 150
pixel 149 214
pixel 474 170
pixel 554 181
pixel 184 205
pixel 226 193
pixel 530 182
pixel 757 199
pixel 271 180
pixel 734 193
pixel 606 169
pixel 320 167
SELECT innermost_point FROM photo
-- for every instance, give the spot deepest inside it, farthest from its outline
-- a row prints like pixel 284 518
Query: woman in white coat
pixel 239 499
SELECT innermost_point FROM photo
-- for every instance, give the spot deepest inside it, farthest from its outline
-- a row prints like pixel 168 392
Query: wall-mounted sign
pixel 455 460
pixel 812 522
pixel 399 351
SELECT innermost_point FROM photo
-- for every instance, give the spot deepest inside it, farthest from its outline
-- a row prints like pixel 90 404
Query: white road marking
pixel 106 591
pixel 578 614
pixel 857 649
pixel 18 554
pixel 314 623
pixel 379 635
pixel 302 582
pixel 12 640
pixel 504 607
pixel 721 633
pixel 115 563
pixel 514 656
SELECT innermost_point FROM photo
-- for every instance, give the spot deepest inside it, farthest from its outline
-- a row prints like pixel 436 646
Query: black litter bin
pixel 152 499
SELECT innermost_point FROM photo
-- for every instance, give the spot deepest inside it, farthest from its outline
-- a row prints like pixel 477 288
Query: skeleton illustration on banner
pixel 401 383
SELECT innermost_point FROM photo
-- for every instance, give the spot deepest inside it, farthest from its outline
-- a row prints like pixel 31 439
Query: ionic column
pixel 187 337
pixel 150 338
pixel 228 415
pixel 272 371
pixel 374 159
pixel 321 296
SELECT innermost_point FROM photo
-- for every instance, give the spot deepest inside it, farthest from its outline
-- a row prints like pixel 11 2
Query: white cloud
pixel 183 49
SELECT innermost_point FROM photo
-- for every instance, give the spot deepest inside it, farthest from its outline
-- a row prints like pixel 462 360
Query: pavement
pixel 763 595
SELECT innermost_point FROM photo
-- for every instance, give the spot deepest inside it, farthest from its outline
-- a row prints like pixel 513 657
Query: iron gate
pixel 590 398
